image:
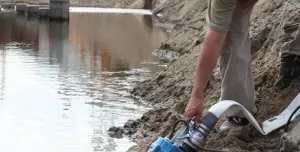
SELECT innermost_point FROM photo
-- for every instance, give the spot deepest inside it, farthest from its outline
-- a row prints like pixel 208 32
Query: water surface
pixel 63 84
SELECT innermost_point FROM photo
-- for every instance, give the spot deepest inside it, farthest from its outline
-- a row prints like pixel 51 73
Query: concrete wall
pixel 59 9
pixel 21 8
pixel 8 6
pixel 33 9
pixel 44 12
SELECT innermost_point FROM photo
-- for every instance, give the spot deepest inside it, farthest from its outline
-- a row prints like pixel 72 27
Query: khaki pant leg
pixel 235 63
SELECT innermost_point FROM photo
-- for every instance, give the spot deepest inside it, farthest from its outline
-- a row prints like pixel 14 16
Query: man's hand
pixel 194 108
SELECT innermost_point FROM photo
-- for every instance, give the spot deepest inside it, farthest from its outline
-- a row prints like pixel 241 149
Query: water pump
pixel 194 139
pixel 186 140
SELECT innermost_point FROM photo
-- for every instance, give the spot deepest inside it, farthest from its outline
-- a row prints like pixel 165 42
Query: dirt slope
pixel 169 90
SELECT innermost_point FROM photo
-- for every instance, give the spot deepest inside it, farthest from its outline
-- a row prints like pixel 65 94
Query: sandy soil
pixel 169 90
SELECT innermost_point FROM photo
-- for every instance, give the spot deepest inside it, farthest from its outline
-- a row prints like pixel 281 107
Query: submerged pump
pixel 194 139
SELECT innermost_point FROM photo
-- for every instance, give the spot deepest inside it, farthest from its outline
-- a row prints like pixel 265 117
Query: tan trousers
pixel 235 63
pixel 291 47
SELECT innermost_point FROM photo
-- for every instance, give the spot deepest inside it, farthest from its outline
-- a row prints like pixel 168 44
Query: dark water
pixel 63 84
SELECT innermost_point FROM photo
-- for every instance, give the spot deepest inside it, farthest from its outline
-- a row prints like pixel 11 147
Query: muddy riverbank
pixel 169 90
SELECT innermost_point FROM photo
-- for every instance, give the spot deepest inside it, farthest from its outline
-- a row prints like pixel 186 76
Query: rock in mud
pixel 288 143
pixel 165 52
pixel 131 124
pixel 197 42
pixel 161 77
pixel 242 133
pixel 115 132
pixel 145 118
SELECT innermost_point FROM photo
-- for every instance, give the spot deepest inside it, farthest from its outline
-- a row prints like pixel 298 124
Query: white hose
pixel 268 125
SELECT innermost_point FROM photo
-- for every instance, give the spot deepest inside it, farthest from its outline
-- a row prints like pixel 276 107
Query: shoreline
pixel 169 89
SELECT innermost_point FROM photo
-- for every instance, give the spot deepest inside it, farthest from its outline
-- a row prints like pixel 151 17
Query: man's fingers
pixel 197 119
pixel 187 119
pixel 188 115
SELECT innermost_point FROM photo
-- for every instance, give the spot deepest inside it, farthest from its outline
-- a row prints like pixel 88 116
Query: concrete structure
pixel 8 6
pixel 21 8
pixel 59 9
pixel 33 9
pixel 44 12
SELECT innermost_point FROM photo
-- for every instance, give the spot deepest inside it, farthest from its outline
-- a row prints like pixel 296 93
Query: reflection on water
pixel 50 71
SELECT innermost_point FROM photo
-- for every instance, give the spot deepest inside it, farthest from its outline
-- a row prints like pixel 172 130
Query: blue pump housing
pixel 163 145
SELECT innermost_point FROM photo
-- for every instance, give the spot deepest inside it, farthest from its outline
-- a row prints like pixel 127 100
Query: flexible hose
pixel 290 118
pixel 174 127
pixel 285 129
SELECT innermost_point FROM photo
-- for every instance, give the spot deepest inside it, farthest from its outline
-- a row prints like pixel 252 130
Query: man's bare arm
pixel 212 47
